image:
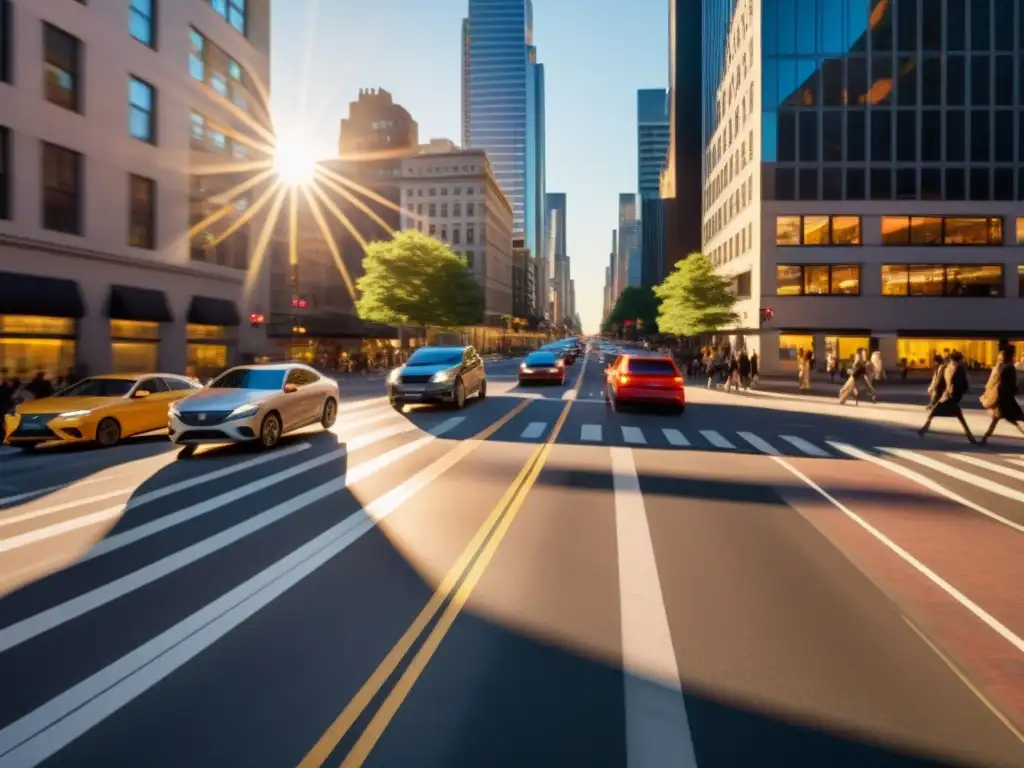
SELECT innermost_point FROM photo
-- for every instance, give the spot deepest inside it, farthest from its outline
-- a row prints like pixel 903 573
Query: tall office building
pixel 104 111
pixel 557 255
pixel 681 184
pixel 613 265
pixel 872 155
pixel 501 83
pixel 628 258
pixel 653 135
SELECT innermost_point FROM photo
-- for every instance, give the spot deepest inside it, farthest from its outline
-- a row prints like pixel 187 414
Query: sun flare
pixel 294 161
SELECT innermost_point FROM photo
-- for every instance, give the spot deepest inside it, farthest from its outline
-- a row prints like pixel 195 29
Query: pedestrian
pixel 858 379
pixel 803 368
pixel 1000 396
pixel 831 365
pixel 954 386
pixel 877 368
pixel 733 382
pixel 40 386
pixel 938 383
pixel 744 370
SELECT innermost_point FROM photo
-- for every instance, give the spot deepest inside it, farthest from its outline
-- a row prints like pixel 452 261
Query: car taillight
pixel 522 366
pixel 561 363
pixel 623 379
pixel 678 379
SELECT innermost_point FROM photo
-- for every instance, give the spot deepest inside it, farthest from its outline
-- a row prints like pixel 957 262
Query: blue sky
pixel 596 54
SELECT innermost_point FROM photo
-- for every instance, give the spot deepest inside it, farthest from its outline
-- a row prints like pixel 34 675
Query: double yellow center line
pixel 448 600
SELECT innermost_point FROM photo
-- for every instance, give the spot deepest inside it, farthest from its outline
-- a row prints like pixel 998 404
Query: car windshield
pixel 652 367
pixel 250 378
pixel 541 358
pixel 435 357
pixel 98 388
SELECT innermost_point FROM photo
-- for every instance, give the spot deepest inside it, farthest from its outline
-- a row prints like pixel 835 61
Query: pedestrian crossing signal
pixel 767 314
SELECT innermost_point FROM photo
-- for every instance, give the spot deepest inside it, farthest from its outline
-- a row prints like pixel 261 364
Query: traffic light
pixel 299 303
pixel 767 313
pixel 257 319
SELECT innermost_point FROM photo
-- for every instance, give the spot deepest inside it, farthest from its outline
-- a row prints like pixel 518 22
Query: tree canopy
pixel 414 279
pixel 634 304
pixel 694 299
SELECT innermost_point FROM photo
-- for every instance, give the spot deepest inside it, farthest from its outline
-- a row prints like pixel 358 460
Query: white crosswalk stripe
pixel 1016 474
pixel 590 433
pixel 959 474
pixel 716 439
pixel 675 437
pixel 633 436
pixel 762 445
pixel 534 430
pixel 804 446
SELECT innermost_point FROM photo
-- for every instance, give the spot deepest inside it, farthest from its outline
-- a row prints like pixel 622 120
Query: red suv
pixel 644 380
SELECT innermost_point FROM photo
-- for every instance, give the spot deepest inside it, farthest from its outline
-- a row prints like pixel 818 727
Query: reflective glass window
pixel 808 187
pixel 981 24
pixel 1004 81
pixel 61 53
pixel 925 230
pixel 881 25
pixel 857 80
pixel 956 24
pixel 931 135
pixel 832 184
pixel 816 281
pixel 881 135
pixel 845 280
pixel 906 83
pixel 926 279
pixel 831 26
pixel 832 136
pixel 881 184
pixel 1004 23
pixel 806 26
pixel 966 231
pixel 141 21
pixel 833 82
pixel 906 24
pixel 785 184
pixel 786 31
pixel 786 136
pixel 931 183
pixel 906 136
pixel 881 80
pixel 894 279
pixel 895 230
pixel 856 185
pixel 981 80
pixel 931 81
pixel 808 136
pixel 1002 184
pixel 956 148
pixel 1003 143
pixel 931 25
pixel 906 184
pixel 787 230
pixel 856 135
pixel 816 230
pixel 974 280
pixel 956 81
pixel 846 230
pixel 788 280
pixel 141 110
pixel 956 184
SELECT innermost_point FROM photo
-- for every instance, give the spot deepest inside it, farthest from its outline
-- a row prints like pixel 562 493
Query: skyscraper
pixel 556 254
pixel 652 138
pixel 501 83
pixel 628 259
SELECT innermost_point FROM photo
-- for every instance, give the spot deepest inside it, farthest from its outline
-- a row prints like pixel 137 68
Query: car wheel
pixel 186 452
pixel 330 413
pixel 459 398
pixel 270 431
pixel 483 389
pixel 108 433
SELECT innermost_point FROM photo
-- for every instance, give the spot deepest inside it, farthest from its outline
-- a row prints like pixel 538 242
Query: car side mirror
pixel 142 393
pixel 291 388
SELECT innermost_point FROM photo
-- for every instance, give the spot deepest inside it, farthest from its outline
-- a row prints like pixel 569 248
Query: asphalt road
pixel 535 580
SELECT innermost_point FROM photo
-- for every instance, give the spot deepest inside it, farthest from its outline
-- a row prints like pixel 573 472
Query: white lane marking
pixel 716 439
pixel 931 575
pixel 40 734
pixel 633 436
pixel 84 521
pixel 805 447
pixel 49 489
pixel 382 415
pixel 590 433
pixel 762 445
pixel 26 629
pixel 534 430
pixel 162 523
pixel 675 437
pixel 158 493
pixel 569 394
pixel 959 474
pixel 367 402
pixel 1018 462
pixel 1016 474
pixel 657 728
pixel 925 482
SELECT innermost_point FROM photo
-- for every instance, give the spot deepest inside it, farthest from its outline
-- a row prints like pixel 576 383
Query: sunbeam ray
pixel 247 215
pixel 222 169
pixel 264 239
pixel 325 178
pixel 241 138
pixel 293 226
pixel 241 114
pixel 365 191
pixel 238 190
pixel 225 208
pixel 338 214
pixel 325 231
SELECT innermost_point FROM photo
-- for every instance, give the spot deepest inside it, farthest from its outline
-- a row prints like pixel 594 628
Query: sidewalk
pixel 912 391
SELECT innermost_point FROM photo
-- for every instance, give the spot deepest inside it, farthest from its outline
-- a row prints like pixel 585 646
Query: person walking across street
pixel 1000 396
pixel 954 386
pixel 938 383
pixel 744 370
pixel 858 379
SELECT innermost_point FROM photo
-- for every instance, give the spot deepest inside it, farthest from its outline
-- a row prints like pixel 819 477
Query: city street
pixel 534 580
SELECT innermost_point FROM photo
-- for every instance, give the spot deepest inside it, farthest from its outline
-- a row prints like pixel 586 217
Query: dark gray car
pixel 438 375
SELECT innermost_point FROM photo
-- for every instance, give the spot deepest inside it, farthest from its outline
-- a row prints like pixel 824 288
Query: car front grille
pixel 203 418
pixel 416 378
pixel 203 434
pixel 35 425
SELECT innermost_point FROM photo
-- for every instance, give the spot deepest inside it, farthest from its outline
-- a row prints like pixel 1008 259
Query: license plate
pixel 411 395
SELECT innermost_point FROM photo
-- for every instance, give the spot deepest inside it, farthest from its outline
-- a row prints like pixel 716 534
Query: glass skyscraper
pixel 652 136
pixel 502 105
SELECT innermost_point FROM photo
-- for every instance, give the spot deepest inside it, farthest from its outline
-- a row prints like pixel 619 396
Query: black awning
pixel 22 294
pixel 143 304
pixel 204 310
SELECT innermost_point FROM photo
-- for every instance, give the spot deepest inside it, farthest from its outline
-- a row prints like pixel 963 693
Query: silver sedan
pixel 254 402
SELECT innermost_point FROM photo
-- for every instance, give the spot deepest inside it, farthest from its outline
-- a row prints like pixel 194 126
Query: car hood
pixel 426 370
pixel 224 399
pixel 67 404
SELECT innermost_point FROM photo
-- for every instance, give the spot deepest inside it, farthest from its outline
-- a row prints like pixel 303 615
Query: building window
pixel 938 230
pixel 5 173
pixel 444 232
pixel 444 210
pixel 1020 280
pixel 61 68
pixel 234 12
pixel 456 235
pixel 62 188
pixel 470 236
pixel 456 210
pixel 432 192
pixel 142 22
pixel 433 230
pixel 817 280
pixel 817 230
pixel 1020 230
pixel 141 110
pixel 142 217
pixel 196 57
pixel 197 136
pixel 6 41
pixel 432 209
pixel 959 280
pixel 470 209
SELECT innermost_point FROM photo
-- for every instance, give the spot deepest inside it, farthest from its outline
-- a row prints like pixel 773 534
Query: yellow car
pixel 99 409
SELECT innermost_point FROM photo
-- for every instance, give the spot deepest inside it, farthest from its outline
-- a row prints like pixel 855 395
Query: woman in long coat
pixel 1000 396
pixel 953 387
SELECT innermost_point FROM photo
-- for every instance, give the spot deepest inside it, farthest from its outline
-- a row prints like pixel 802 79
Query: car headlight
pixel 173 411
pixel 442 376
pixel 72 414
pixel 393 376
pixel 243 412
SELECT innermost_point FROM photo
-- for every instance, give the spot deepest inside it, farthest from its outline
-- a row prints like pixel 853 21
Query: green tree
pixel 414 279
pixel 694 299
pixel 635 304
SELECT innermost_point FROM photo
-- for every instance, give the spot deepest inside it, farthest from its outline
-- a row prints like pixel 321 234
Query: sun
pixel 294 161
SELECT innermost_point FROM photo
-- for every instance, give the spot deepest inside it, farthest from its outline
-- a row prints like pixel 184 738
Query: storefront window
pixel 134 329
pixel 196 331
pixel 790 344
pixel 36 325
pixel 975 280
pixel 816 230
pixel 135 356
pixel 788 280
pixel 845 347
pixel 787 230
pixel 919 353
pixel 816 280
pixel 24 357
pixel 208 360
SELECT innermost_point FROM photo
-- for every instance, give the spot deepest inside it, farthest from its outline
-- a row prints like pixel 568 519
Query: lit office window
pixel 142 220
pixel 62 189
pixel 60 68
